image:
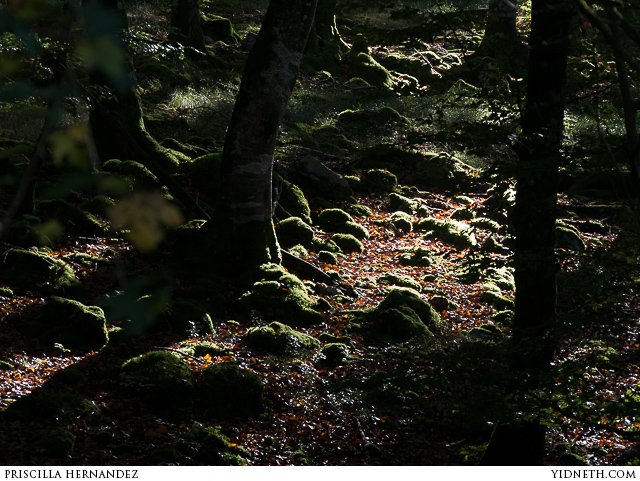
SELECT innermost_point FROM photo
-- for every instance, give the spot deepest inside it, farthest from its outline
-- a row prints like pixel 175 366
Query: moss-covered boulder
pixel 58 443
pixel 186 148
pixel 378 181
pixel 278 338
pixel 213 447
pixel 569 237
pixel 400 203
pixel 315 178
pixel 398 297
pixel 204 348
pixel 396 325
pixel 293 203
pixel 347 243
pixel 229 390
pixel 331 219
pixel 325 245
pixel 73 218
pixel 70 323
pixel 492 295
pixel 401 221
pixel 333 354
pixel 464 213
pixel 299 251
pixel 486 224
pixel 450 232
pixel 279 296
pixel 364 66
pixel 188 317
pixel 31 269
pixel 399 280
pixel 292 231
pixel 162 379
pixel 219 29
pixel 359 209
pixel 443 303
pixel 366 119
pixel 51 406
pixel 6 292
pixel 501 277
pixel 141 176
pixel 417 257
pixel 29 230
pixel 327 257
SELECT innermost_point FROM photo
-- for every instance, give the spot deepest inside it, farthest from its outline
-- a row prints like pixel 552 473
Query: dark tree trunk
pixel 535 210
pixel 244 235
pixel 186 23
pixel 501 43
pixel 116 121
pixel 325 47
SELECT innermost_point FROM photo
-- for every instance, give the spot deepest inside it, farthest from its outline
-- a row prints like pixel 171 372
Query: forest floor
pixel 428 401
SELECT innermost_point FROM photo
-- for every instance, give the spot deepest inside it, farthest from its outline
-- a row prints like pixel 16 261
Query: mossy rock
pixel 347 243
pixel 365 67
pixel 326 245
pixel 30 269
pixel 568 237
pixel 213 447
pixel 229 390
pixel 401 221
pixel 397 325
pixel 359 209
pixel 70 323
pixel 162 379
pixel 332 219
pixel 292 231
pixel 443 303
pixel 418 257
pixel 86 260
pixel 203 348
pixel 330 338
pixel 318 180
pixel 486 332
pixel 72 218
pixel 399 280
pixel 299 251
pixel 142 177
pixel 503 317
pixel 400 203
pixel 398 297
pixel 450 232
pixel 486 224
pixel 61 407
pixel 6 292
pixel 219 29
pixel 493 296
pixel 188 317
pixel 357 83
pixel 356 230
pixel 281 297
pixel 333 354
pixel 501 277
pixel 29 230
pixel 378 181
pixel 58 443
pixel 98 204
pixel 327 257
pixel 278 338
pixel 366 119
pixel 463 213
pixel 294 202
pixel 185 148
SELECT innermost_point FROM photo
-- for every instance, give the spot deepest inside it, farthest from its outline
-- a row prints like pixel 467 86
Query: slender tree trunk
pixel 535 210
pixel 500 31
pixel 242 222
pixel 325 47
pixel 186 23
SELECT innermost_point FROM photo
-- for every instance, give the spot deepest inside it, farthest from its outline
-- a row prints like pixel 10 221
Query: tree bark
pixel 186 24
pixel 501 28
pixel 325 47
pixel 242 222
pixel 535 209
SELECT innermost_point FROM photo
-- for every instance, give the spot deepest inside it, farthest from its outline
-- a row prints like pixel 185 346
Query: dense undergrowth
pixel 399 354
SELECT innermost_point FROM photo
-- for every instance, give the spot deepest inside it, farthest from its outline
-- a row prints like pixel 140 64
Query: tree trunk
pixel 186 24
pixel 535 209
pixel 116 121
pixel 325 47
pixel 500 41
pixel 243 228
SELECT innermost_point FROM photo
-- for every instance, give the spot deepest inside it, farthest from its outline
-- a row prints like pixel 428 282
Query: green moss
pixel 231 391
pixel 202 348
pixel 359 209
pixel 356 230
pixel 366 119
pixel 219 29
pixel 141 175
pixel 401 221
pixel 326 245
pixel 72 217
pixel 418 257
pixel 70 323
pixel 398 297
pixel 278 338
pixel 397 325
pixel 485 223
pixel 493 296
pixel 59 407
pixel 463 214
pixel 357 83
pixel 187 149
pixel 327 257
pixel 213 447
pixel 29 230
pixel 280 296
pixel 6 366
pixel 86 260
pixel 364 66
pixel 503 317
pixel 6 292
pixel 333 354
pixel 501 277
pixel 294 231
pixel 31 269
pixel 378 181
pixel 399 280
pixel 58 443
pixel 98 204
pixel 188 317
pixel 332 219
pixel 568 237
pixel 347 243
pixel 299 251
pixel 162 379
pixel 294 202
pixel 400 203
pixel 450 232
pixel 442 303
